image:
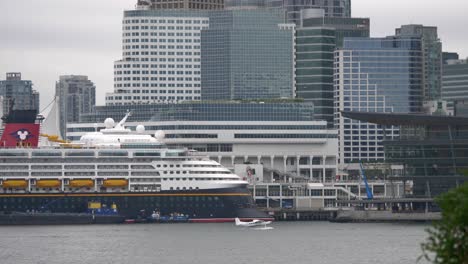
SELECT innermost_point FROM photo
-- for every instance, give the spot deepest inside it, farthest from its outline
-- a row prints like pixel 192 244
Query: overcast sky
pixel 44 39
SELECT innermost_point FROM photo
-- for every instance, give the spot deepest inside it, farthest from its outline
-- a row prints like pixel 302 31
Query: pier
pixel 281 214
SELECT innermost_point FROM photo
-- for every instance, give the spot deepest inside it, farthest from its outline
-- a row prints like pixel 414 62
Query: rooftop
pixel 393 119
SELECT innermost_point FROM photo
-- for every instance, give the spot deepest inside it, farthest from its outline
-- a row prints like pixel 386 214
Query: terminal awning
pixel 395 119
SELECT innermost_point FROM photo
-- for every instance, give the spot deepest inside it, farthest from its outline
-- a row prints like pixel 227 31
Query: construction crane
pixel 370 196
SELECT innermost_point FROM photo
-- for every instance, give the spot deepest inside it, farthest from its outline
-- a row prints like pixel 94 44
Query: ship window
pixel 159 166
pixel 79 154
pixel 47 154
pixel 172 188
pixel 178 166
pixel 171 166
pixel 178 188
pixel 184 179
pixel 177 179
pixel 165 166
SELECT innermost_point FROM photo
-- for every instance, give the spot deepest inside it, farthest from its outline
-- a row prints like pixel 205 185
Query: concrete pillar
pixel 259 158
pixel 219 159
pixel 310 166
pixel 281 196
pixel 285 158
pixel 232 160
pixel 272 165
pixel 323 165
pixel 298 169
pixel 246 158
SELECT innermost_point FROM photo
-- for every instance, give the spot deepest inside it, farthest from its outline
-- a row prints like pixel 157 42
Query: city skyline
pixel 53 38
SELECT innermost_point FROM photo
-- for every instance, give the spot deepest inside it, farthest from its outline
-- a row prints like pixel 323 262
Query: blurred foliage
pixel 448 238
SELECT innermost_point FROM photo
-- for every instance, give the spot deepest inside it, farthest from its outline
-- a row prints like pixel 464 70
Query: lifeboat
pixel 19 184
pixel 81 183
pixel 48 183
pixel 115 183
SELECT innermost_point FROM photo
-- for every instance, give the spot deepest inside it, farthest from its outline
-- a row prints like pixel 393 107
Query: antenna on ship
pixel 120 125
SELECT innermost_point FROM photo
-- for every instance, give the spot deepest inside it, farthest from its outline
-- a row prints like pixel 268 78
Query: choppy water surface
pixel 287 243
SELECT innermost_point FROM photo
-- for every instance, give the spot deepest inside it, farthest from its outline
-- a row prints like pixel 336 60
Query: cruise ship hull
pixel 215 205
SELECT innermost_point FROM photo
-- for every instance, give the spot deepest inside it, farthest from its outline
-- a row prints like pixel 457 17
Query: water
pixel 287 243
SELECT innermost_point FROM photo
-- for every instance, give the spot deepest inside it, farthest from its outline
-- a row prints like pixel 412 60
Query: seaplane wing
pixel 253 223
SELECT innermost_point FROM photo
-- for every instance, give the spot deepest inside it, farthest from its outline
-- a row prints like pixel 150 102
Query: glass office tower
pixel 247 54
pixel 335 8
pixel 380 75
pixel 432 57
pixel 455 81
pixel 316 40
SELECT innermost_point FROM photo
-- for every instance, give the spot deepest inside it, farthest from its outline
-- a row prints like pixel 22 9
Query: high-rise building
pixel 18 92
pixel 293 8
pixel 335 8
pixel 180 4
pixel 77 95
pixel 448 56
pixel 316 40
pixel 455 82
pixel 247 54
pixel 161 57
pixel 345 27
pixel 236 54
pixel 432 57
pixel 382 75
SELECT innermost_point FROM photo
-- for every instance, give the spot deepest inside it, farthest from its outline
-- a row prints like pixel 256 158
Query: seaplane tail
pixel 239 222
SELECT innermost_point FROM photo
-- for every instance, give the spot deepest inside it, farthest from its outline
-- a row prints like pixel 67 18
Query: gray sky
pixel 44 39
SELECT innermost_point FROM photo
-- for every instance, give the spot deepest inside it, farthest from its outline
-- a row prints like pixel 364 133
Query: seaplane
pixel 254 223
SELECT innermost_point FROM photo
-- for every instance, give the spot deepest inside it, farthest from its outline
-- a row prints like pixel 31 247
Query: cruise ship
pixel 129 170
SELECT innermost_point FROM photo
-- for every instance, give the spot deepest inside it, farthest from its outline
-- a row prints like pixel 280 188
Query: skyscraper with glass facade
pixel 455 82
pixel 18 93
pixel 237 54
pixel 247 54
pixel 432 57
pixel 382 75
pixel 77 95
pixel 293 8
pixel 316 40
pixel 332 8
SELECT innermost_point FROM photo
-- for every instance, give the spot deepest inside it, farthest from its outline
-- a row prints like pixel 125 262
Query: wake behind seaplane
pixel 254 223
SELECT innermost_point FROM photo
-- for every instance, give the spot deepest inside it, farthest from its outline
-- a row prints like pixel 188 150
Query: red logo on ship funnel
pixel 22 135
